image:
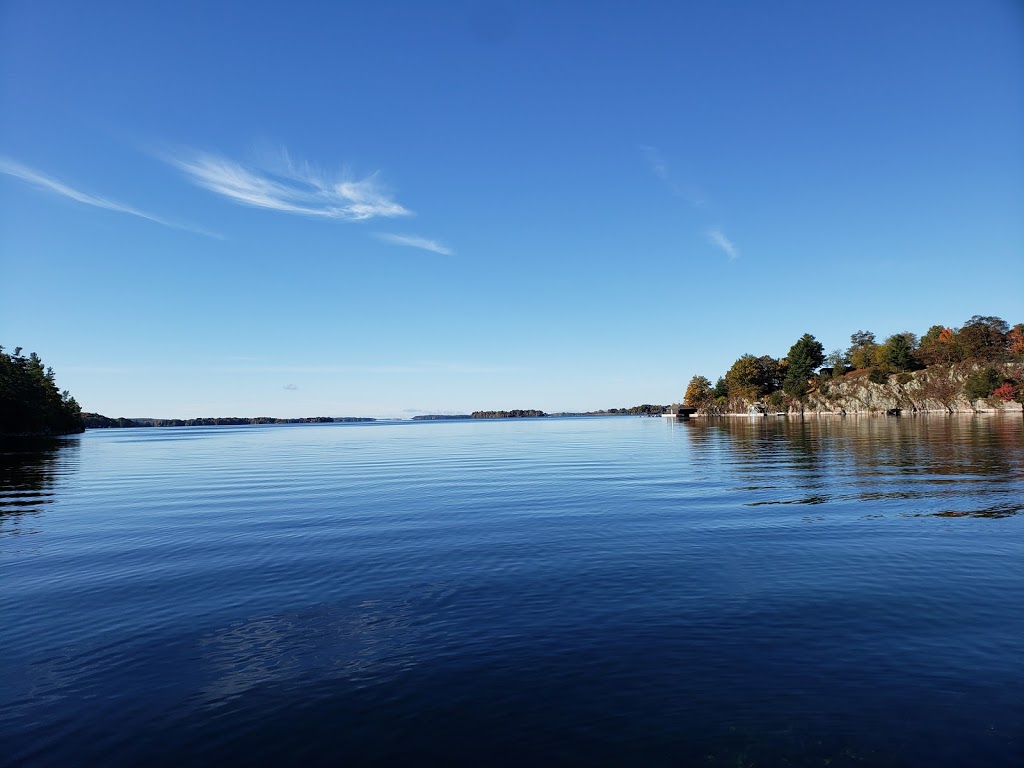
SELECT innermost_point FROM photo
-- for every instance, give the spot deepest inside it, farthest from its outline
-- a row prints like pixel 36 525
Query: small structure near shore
pixel 679 411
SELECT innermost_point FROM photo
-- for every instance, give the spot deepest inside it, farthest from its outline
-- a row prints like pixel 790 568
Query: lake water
pixel 827 592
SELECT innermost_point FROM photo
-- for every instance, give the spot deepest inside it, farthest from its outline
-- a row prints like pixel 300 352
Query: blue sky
pixel 380 209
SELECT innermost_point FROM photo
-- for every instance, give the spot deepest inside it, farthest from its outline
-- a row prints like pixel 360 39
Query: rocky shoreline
pixel 935 390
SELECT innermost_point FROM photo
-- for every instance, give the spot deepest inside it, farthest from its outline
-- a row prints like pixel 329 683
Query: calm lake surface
pixel 560 591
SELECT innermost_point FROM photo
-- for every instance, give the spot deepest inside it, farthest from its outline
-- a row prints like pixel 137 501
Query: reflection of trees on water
pixel 946 465
pixel 28 470
pixel 767 452
pixel 965 448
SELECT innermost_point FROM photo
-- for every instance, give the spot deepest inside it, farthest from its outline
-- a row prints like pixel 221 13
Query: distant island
pixel 637 410
pixel 514 414
pixel 98 421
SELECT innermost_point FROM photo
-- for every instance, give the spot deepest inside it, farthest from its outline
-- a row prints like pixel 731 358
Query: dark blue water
pixel 834 592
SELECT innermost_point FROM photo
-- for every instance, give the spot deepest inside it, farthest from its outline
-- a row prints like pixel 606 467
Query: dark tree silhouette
pixel 30 403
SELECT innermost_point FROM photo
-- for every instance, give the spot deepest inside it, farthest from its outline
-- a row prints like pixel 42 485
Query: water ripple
pixel 628 591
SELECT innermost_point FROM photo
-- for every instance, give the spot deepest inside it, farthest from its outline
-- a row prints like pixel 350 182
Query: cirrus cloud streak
pixel 289 187
pixel 412 241
pixel 42 181
pixel 717 237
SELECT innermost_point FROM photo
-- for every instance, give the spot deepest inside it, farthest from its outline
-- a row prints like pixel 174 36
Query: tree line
pixel 986 345
pixel 646 409
pixel 513 414
pixel 30 402
pixel 98 421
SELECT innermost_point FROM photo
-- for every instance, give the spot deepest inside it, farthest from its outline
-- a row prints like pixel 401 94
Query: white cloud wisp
pixel 415 242
pixel 717 237
pixel 656 162
pixel 42 181
pixel 289 187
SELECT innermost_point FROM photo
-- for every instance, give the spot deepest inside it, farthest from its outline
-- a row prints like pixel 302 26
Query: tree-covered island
pixel 981 363
pixel 645 409
pixel 513 414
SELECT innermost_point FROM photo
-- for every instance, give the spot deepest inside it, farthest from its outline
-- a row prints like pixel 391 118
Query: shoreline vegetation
pixel 977 367
pixel 99 421
pixel 30 403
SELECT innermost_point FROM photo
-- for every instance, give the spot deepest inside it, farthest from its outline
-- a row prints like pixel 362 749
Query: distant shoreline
pixel 97 421
pixel 142 423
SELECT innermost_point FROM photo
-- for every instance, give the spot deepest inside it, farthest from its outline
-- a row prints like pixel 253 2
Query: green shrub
pixel 981 384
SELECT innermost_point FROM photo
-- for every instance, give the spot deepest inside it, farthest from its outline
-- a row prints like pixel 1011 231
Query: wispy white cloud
pixel 42 181
pixel 659 167
pixel 292 187
pixel 717 237
pixel 657 163
pixel 415 242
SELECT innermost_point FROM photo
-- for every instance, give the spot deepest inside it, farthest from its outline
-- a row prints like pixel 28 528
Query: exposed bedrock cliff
pixel 938 388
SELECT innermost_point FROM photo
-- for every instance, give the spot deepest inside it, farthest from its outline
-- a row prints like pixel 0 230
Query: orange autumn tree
pixel 698 392
pixel 1015 340
pixel 937 346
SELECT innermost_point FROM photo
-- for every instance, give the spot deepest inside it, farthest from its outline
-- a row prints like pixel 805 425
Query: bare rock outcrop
pixel 938 388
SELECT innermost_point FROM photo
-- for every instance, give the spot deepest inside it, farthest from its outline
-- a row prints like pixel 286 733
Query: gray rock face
pixel 934 389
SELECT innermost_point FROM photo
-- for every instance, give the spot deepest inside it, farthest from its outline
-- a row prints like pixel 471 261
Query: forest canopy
pixel 30 402
pixel 987 348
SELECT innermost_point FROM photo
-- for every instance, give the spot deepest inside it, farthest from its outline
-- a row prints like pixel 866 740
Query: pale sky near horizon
pixel 239 209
